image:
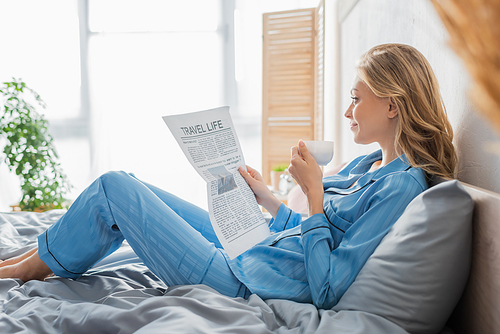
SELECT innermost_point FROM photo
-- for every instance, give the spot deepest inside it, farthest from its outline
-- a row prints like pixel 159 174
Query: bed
pixel 436 271
pixel 410 284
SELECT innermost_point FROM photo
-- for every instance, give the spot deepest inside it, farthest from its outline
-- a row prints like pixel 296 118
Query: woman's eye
pixel 354 99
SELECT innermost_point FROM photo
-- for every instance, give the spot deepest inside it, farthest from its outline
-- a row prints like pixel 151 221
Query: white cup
pixel 322 151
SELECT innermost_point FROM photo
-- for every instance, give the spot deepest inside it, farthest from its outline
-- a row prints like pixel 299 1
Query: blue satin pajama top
pixel 317 259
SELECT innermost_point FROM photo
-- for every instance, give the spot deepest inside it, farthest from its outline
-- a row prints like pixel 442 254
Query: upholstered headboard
pixel 479 308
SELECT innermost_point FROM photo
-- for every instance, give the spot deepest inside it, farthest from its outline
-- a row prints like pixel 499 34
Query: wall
pixel 415 22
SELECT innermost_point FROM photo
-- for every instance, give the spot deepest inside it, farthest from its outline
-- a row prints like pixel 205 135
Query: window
pixel 148 59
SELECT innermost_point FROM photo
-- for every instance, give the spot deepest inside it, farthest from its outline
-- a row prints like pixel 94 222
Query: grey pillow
pixel 417 274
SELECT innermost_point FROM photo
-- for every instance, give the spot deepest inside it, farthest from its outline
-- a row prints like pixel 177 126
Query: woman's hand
pixel 262 193
pixel 309 176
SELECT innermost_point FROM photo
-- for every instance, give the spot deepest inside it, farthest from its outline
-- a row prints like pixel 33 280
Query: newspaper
pixel 209 141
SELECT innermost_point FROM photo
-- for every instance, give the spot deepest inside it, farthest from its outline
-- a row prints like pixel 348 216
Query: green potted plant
pixel 276 172
pixel 29 150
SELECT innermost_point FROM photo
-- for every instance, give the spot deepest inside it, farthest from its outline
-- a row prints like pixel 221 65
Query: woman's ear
pixel 393 108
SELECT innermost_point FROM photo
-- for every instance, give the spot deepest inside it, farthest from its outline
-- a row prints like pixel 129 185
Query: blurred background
pixel 109 69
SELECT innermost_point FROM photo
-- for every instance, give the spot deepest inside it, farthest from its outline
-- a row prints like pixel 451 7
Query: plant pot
pixel 16 208
pixel 275 180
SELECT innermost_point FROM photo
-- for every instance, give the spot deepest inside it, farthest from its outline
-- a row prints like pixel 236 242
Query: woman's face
pixel 372 118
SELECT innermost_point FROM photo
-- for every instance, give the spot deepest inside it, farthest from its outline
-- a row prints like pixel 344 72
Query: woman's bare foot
pixel 30 268
pixel 17 259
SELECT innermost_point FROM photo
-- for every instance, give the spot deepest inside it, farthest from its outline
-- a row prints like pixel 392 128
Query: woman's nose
pixel 348 112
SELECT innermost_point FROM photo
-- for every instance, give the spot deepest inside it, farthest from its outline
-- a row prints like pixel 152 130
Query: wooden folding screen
pixel 292 83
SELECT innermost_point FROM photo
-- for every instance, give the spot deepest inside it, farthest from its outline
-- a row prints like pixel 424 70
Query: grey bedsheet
pixel 120 295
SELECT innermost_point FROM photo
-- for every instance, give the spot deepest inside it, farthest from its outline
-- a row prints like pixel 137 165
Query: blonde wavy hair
pixel 423 132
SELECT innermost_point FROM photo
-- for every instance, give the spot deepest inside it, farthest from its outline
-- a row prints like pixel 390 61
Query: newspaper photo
pixel 209 141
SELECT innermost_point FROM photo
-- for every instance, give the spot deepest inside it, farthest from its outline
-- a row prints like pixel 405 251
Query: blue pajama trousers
pixel 173 238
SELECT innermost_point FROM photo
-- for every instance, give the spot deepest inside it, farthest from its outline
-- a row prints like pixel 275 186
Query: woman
pixel 395 102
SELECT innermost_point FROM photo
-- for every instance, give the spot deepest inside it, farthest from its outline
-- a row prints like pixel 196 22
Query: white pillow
pixel 417 274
